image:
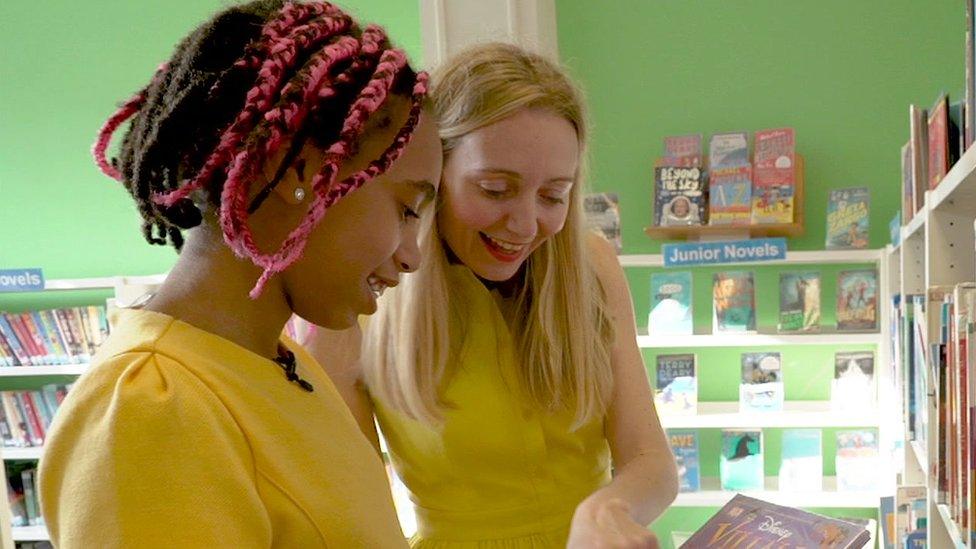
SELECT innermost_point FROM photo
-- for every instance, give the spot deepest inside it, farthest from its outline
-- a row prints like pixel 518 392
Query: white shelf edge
pixel 917 222
pixel 34 371
pixel 825 498
pixel 960 179
pixel 871 255
pixel 16 454
pixel 950 526
pixel 99 283
pixel 716 415
pixel 30 533
pixel 645 341
pixel 921 456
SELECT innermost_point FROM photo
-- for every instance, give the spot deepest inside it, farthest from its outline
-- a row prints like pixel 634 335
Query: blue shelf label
pixel 21 280
pixel 724 251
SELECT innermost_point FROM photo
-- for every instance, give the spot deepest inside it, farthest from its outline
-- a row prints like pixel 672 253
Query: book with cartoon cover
pixel 857 300
pixel 734 302
pixel 847 218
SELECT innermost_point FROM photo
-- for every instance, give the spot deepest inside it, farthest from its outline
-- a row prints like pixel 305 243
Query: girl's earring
pixel 299 194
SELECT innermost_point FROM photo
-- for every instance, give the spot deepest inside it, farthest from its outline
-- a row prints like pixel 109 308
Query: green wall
pixel 841 72
pixel 65 64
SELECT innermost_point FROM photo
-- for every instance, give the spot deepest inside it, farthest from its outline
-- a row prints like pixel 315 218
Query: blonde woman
pixel 504 373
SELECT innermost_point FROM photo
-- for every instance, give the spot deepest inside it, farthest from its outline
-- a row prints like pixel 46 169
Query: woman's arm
pixel 645 476
pixel 339 355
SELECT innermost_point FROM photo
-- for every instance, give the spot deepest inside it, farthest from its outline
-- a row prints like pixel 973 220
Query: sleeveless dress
pixel 499 474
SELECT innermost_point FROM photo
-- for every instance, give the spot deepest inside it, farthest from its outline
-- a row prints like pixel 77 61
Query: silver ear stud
pixel 299 194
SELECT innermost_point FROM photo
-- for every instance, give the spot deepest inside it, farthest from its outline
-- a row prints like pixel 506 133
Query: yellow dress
pixel 500 474
pixel 179 438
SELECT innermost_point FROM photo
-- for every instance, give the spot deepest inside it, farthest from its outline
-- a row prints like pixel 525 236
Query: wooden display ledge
pixel 729 232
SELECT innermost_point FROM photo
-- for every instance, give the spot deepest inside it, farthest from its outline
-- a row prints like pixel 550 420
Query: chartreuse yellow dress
pixel 499 473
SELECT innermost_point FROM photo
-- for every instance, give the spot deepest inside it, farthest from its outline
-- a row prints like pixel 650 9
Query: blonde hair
pixel 408 343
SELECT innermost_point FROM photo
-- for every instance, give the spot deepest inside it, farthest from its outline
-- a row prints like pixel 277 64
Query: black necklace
pixel 286 359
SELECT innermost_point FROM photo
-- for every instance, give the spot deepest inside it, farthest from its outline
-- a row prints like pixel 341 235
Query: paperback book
pixel 728 150
pixel 603 214
pixel 857 300
pixel 734 302
pixel 730 196
pixel 684 445
pixel 801 469
pixel 679 196
pixel 671 306
pixel 746 522
pixel 799 302
pixel 774 176
pixel 677 385
pixel 853 385
pixel 857 463
pixel 741 462
pixel 761 388
pixel 682 151
pixel 847 218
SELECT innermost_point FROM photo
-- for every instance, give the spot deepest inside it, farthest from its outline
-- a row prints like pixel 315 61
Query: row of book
pixel 734 302
pixel 936 141
pixel 762 386
pixel 22 493
pixel 734 188
pixel 742 461
pixel 26 416
pixel 68 335
pixel 904 517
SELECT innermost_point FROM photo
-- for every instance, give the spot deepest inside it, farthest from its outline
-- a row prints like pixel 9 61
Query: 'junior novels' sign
pixel 21 280
pixel 729 251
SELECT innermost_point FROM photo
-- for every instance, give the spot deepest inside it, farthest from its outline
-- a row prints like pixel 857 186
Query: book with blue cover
pixel 671 305
pixel 676 388
pixel 847 218
pixel 801 468
pixel 728 150
pixel 684 445
pixel 761 389
pixel 734 302
pixel 741 462
pixel 730 196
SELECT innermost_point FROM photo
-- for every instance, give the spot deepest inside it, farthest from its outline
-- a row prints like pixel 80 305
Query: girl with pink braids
pixel 295 148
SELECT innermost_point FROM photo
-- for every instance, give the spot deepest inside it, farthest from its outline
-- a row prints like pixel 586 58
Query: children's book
pixel 801 468
pixel 847 218
pixel 774 176
pixel 728 150
pixel 746 522
pixel 677 385
pixel 679 196
pixel 603 214
pixel 682 151
pixel 730 196
pixel 853 386
pixel 857 300
pixel 741 463
pixel 857 463
pixel 734 302
pixel 684 445
pixel 938 140
pixel 671 306
pixel 761 389
pixel 799 301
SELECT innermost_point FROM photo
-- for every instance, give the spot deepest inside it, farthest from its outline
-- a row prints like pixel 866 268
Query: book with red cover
pixel 749 522
pixel 774 176
pixel 938 138
pixel 683 151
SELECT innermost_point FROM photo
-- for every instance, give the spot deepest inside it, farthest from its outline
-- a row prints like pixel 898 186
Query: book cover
pixel 730 196
pixel 676 390
pixel 774 176
pixel 853 386
pixel 857 462
pixel 741 462
pixel 907 184
pixel 801 468
pixel 761 388
pixel 728 150
pixel 603 214
pixel 684 445
pixel 734 302
pixel 887 523
pixel 799 302
pixel 671 306
pixel 746 522
pixel 847 218
pixel 857 300
pixel 682 151
pixel 938 141
pixel 894 229
pixel 918 127
pixel 679 196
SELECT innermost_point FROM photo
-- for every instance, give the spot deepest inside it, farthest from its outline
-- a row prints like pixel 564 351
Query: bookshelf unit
pixel 937 248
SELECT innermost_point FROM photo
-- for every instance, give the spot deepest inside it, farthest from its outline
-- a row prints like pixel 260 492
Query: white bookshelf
pixel 803 413
pixel 43 371
pixel 797 257
pixel 955 538
pixel 711 495
pixel 755 339
pixel 30 533
pixel 17 454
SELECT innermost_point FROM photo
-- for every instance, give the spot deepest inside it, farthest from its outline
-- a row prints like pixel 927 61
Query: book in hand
pixel 799 301
pixel 730 196
pixel 853 385
pixel 684 446
pixel 857 463
pixel 741 462
pixel 746 522
pixel 761 389
pixel 682 151
pixel 677 386
pixel 774 176
pixel 857 300
pixel 603 214
pixel 801 468
pixel 733 302
pixel 847 218
pixel 679 196
pixel 671 306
